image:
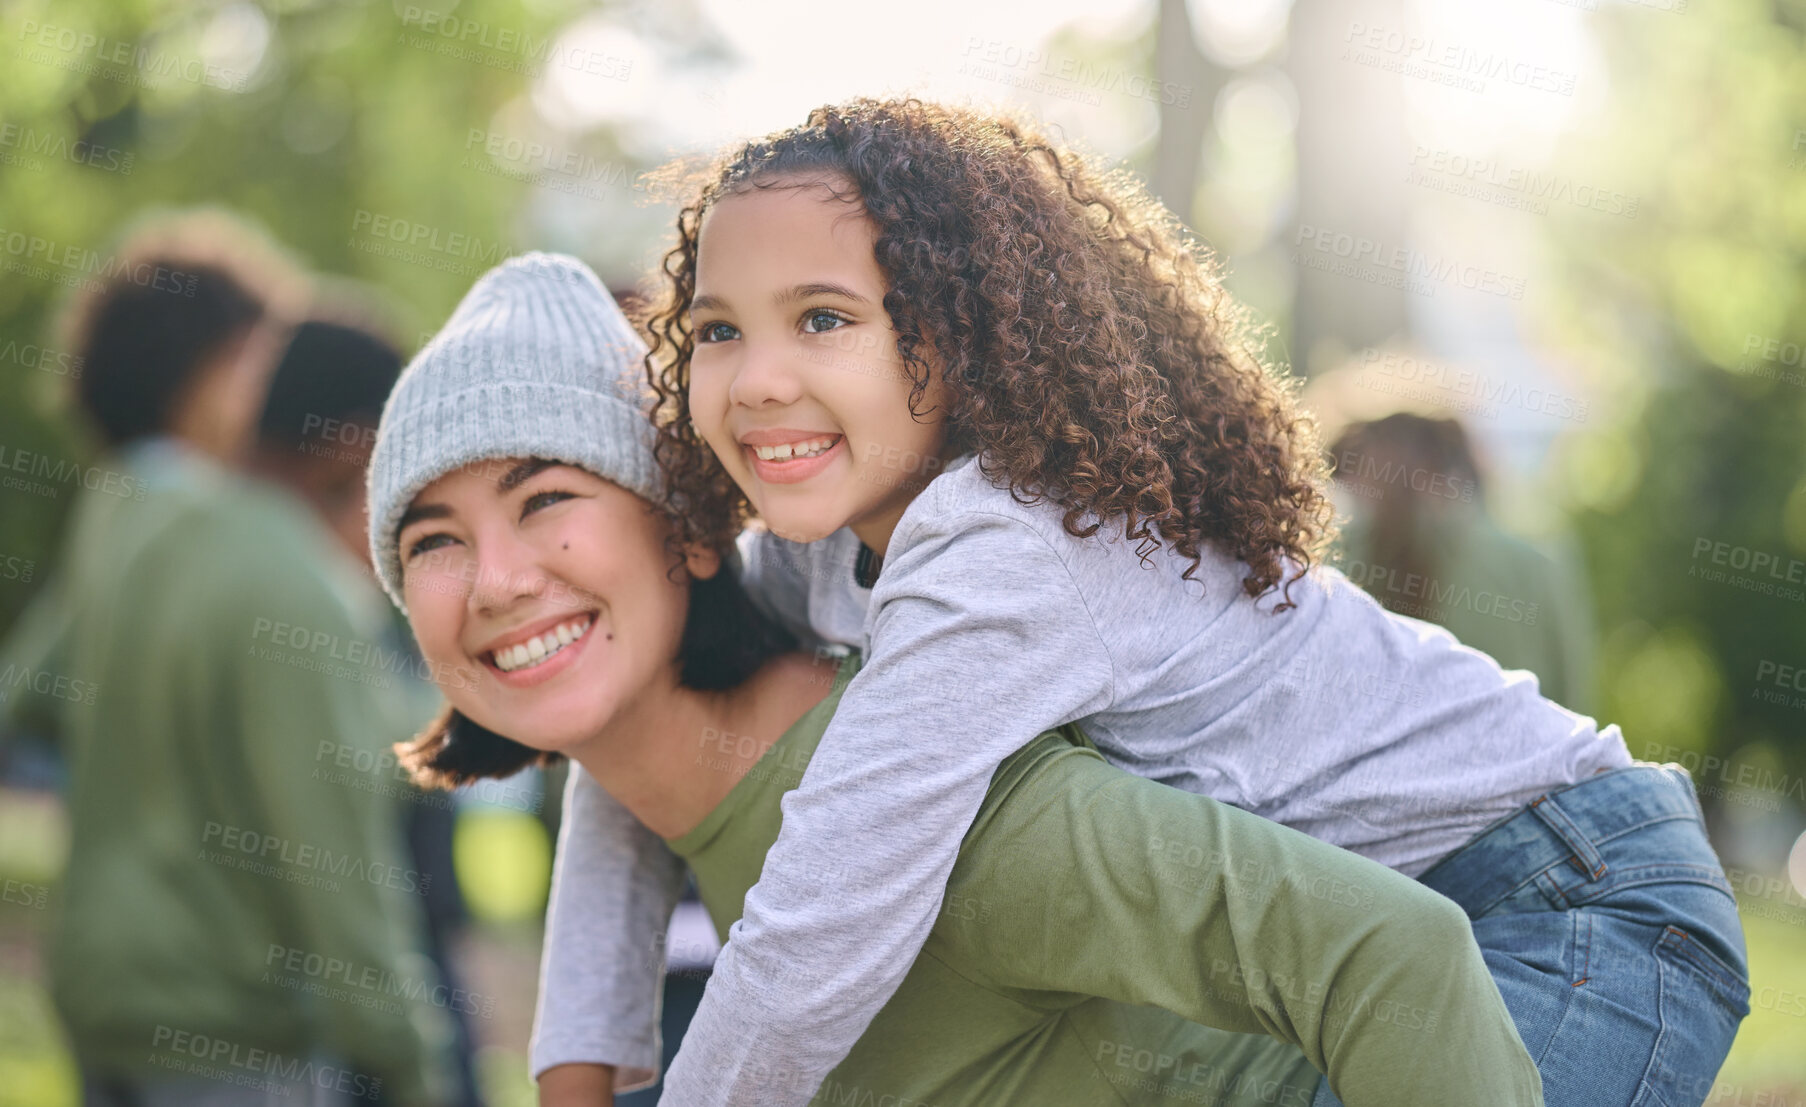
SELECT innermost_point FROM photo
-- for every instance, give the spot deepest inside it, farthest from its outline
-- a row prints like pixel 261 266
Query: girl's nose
pixel 766 375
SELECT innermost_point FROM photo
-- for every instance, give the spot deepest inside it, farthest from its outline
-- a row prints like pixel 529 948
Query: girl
pixel 508 511
pixel 938 355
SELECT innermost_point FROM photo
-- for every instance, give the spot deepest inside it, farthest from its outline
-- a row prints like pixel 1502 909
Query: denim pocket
pixel 1701 1000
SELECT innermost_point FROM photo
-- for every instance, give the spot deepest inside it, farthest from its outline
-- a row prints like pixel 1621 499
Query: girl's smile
pixel 796 384
pixel 780 457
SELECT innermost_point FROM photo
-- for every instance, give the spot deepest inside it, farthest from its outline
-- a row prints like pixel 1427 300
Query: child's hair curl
pixel 1089 349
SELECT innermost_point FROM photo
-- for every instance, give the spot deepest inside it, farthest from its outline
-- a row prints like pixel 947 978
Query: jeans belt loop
pixel 1585 857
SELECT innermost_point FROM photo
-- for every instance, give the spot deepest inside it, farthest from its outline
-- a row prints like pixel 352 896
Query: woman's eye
pixel 716 332
pixel 542 499
pixel 427 544
pixel 832 320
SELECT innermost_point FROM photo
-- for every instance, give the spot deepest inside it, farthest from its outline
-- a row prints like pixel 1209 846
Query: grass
pixel 1767 1065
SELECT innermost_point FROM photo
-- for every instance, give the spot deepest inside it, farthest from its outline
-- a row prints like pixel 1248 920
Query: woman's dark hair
pixel 180 290
pixel 333 369
pixel 725 641
pixel 1087 344
pixel 1403 465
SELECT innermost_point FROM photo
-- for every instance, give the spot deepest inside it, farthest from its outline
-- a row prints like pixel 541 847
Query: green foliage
pixel 1693 316
pixel 111 108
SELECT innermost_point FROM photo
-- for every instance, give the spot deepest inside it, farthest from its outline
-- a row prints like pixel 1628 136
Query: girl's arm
pixel 980 642
pixel 1078 877
pixel 577 1086
pixel 614 886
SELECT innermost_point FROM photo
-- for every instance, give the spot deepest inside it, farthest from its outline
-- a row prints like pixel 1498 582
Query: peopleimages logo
pixel 34 251
pixel 507 48
pixel 1435 598
pixel 63 472
pixel 1760 571
pixel 1355 467
pixel 259 847
pixel 1458 64
pixel 1424 378
pixel 142 66
pixel 424 244
pixel 1358 250
pixel 350 658
pixel 235 1063
pixel 1513 186
pixel 374 982
pixel 1064 76
pixel 77 151
pixel 33 356
pixel 46 683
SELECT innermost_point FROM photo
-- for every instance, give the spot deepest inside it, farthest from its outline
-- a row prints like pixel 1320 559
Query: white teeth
pixel 535 650
pixel 790 450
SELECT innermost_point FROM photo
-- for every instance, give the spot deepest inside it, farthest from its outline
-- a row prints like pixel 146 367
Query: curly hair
pixel 1090 352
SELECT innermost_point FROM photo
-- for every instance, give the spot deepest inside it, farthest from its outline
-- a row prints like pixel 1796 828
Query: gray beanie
pixel 537 361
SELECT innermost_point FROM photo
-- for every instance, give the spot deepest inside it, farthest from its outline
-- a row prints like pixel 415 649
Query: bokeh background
pixel 1578 227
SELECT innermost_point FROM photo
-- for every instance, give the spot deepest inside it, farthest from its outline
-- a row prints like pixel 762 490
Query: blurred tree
pixel 1180 147
pixel 387 141
pixel 1693 313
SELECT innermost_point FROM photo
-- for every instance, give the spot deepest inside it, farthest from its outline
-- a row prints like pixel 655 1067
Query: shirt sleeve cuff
pixel 636 1062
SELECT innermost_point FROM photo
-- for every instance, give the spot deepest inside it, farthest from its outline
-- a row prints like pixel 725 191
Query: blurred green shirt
pixel 237 902
pixel 1522 606
pixel 1108 939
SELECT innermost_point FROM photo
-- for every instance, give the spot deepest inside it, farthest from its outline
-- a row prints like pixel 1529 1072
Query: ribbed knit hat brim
pixel 536 361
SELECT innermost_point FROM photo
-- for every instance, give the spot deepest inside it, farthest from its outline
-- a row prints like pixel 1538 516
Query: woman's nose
pixel 508 571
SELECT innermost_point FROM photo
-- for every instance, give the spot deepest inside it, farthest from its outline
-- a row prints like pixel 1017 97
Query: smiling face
pixel 795 381
pixel 544 589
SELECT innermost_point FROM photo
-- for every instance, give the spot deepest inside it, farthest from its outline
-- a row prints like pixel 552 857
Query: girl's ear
pixel 701 562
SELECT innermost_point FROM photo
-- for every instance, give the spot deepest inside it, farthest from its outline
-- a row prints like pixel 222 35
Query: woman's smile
pixel 541 650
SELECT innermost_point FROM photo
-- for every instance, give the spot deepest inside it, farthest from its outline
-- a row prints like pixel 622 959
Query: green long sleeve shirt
pixel 1108 939
pixel 236 901
pixel 1524 606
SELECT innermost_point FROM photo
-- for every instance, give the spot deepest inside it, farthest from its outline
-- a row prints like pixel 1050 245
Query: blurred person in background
pixel 1421 541
pixel 233 925
pixel 313 443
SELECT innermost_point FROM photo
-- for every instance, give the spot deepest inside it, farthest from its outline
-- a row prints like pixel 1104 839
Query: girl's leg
pixel 1613 936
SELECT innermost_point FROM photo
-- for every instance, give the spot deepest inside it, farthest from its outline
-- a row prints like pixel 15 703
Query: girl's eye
pixel 427 544
pixel 542 499
pixel 716 332
pixel 833 322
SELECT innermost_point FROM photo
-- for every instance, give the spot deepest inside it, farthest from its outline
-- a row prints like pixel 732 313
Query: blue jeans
pixel 1613 936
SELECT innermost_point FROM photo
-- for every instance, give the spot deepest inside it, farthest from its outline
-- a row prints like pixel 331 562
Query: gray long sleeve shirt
pixel 988 625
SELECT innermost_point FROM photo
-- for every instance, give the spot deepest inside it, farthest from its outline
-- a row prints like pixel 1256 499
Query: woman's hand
pixel 577 1086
